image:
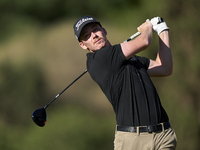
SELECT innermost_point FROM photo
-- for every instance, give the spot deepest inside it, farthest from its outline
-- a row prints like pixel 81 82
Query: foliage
pixel 20 90
pixel 50 11
pixel 79 128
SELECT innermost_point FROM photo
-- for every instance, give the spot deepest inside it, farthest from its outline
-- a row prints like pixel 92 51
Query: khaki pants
pixel 165 140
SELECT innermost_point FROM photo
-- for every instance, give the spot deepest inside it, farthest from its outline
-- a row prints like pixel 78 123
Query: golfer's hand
pixel 145 26
pixel 159 24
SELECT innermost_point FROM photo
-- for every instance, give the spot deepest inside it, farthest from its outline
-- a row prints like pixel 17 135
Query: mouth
pixel 98 41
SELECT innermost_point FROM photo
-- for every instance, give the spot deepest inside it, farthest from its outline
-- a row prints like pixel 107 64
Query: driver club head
pixel 39 116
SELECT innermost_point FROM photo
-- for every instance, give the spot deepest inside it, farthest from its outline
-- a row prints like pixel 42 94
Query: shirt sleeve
pixel 110 57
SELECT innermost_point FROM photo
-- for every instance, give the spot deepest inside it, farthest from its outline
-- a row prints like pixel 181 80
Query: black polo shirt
pixel 127 86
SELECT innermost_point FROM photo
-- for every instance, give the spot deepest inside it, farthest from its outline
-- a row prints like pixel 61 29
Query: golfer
pixel 124 77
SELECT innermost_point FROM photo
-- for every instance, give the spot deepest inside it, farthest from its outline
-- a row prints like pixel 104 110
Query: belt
pixel 149 128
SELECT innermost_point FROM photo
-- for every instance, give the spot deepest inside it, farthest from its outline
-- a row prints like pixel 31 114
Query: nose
pixel 94 35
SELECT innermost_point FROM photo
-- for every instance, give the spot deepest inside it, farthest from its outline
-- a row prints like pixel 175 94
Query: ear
pixel 82 45
pixel 104 31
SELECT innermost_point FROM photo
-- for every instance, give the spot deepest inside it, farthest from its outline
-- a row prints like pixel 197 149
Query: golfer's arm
pixel 137 45
pixel 163 65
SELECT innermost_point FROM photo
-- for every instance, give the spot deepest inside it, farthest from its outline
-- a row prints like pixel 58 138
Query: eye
pixel 87 35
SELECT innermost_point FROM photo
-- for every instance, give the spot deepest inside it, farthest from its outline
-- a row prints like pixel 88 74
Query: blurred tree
pixel 18 12
pixel 20 87
pixel 47 11
pixel 184 16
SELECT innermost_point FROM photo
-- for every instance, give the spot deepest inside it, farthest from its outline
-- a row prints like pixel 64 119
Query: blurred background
pixel 39 57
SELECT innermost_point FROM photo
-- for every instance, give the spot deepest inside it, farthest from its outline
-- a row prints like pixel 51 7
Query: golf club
pixel 39 116
pixel 132 37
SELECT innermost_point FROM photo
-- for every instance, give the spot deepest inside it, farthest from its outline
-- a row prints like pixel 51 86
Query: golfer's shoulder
pixel 112 48
pixel 107 51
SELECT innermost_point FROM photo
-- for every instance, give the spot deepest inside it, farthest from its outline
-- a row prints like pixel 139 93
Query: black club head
pixel 39 116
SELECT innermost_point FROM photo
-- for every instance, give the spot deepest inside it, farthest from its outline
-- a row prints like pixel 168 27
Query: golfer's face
pixel 93 37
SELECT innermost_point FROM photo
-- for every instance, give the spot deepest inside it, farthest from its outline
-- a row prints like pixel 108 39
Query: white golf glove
pixel 159 24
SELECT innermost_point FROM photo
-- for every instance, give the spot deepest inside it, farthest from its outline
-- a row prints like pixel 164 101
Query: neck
pixel 107 44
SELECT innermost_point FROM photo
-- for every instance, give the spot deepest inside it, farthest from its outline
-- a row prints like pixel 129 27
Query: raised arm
pixel 140 43
pixel 163 64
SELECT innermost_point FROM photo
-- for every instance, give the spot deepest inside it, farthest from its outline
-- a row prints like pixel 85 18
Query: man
pixel 124 77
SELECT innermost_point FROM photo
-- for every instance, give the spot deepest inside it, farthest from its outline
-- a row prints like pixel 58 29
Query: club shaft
pixel 130 38
pixel 65 89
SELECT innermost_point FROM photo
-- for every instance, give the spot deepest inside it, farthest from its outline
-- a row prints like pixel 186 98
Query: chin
pixel 101 45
